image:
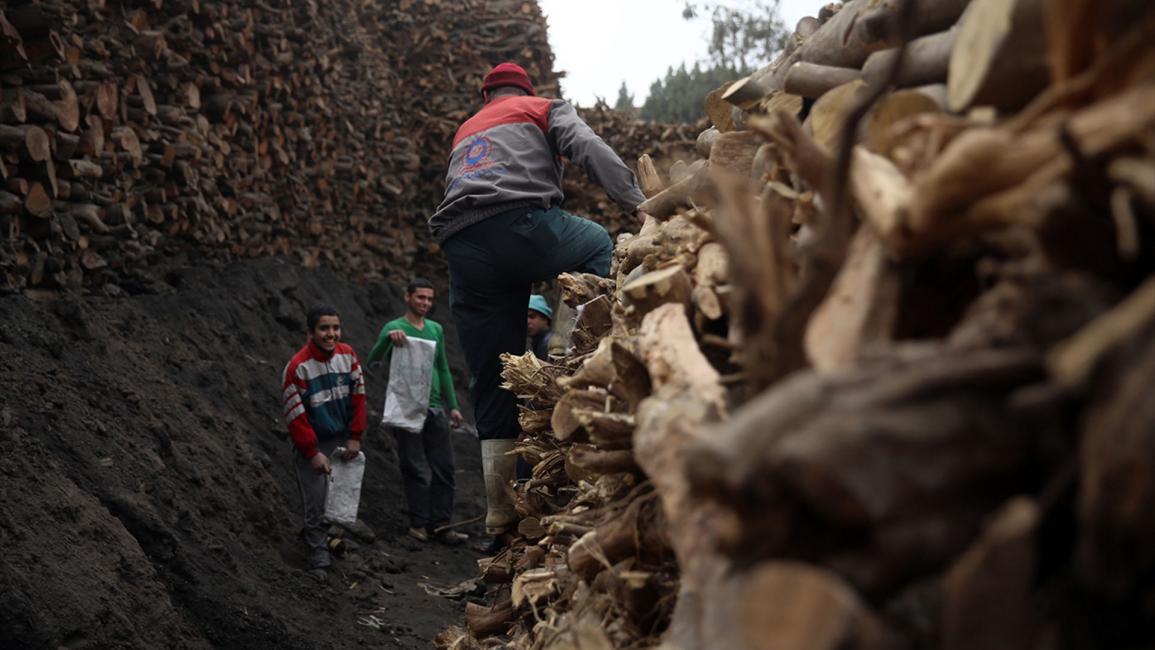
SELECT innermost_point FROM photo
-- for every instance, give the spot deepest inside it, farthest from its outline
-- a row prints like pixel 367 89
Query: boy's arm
pixel 294 392
pixel 357 396
pixel 442 367
pixel 383 347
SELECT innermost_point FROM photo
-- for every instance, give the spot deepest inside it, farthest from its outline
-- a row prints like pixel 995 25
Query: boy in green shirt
pixel 430 502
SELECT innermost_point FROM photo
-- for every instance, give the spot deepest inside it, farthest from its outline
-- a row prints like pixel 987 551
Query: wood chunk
pixel 734 152
pixel 580 288
pixel 926 62
pixel 718 109
pixel 10 203
pixel 37 203
pixel 564 422
pixel 794 606
pixel 657 288
pixel 894 111
pixel 881 193
pixel 594 321
pixel 27 140
pixel 678 195
pixel 607 430
pixel 877 24
pixel 828 115
pixel 988 589
pixel 705 142
pixel 584 462
pixel 12 109
pixel 861 307
pixel 812 80
pixel 486 621
pixel 107 99
pixel 713 265
pixel 636 529
pixel 745 91
pixel 1073 362
pixel 999 58
pixel 1116 483
pixel 648 179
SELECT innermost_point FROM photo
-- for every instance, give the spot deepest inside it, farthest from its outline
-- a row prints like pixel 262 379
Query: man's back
pixel 509 155
pixel 501 160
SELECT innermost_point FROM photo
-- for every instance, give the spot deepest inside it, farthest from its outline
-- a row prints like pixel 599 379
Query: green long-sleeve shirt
pixel 441 393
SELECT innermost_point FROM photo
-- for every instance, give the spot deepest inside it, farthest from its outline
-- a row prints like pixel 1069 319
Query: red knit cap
pixel 507 74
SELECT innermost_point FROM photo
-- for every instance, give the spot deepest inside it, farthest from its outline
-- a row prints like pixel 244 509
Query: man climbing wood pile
pixel 502 229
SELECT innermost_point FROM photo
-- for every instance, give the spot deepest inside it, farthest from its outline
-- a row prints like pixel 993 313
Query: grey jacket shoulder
pixel 573 138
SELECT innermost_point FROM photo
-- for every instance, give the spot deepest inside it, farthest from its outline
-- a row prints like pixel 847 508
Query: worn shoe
pixel 419 534
pixel 320 559
pixel 361 531
pixel 452 537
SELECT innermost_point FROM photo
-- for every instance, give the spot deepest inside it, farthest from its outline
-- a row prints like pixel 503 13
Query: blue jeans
pixel 492 265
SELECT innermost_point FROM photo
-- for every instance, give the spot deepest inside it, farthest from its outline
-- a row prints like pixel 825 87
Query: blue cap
pixel 538 303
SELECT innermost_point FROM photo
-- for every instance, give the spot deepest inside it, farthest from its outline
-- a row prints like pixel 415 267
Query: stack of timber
pixel 865 379
pixel 132 133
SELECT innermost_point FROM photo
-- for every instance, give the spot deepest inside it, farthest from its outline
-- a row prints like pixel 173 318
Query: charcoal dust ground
pixel 145 492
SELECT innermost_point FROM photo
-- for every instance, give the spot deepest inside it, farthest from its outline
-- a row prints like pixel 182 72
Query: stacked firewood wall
pixel 875 371
pixel 134 132
pixel 131 133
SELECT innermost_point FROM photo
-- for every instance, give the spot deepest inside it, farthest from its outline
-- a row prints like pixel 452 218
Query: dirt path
pixel 145 497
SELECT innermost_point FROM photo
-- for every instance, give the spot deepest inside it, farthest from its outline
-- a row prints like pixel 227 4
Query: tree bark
pixel 926 61
pixel 813 80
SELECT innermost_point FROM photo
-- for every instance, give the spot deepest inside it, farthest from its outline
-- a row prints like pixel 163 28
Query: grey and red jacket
pixel 509 155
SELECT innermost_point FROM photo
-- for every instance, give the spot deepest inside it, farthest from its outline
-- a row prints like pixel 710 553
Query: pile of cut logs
pixel 131 133
pixel 875 371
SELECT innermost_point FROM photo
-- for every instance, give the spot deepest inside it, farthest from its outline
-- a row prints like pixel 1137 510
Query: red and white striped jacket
pixel 323 394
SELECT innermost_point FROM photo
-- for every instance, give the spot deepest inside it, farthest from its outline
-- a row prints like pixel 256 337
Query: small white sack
pixel 410 379
pixel 344 493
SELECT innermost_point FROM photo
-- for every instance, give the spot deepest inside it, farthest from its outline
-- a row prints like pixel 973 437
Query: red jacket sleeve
pixel 357 396
pixel 293 393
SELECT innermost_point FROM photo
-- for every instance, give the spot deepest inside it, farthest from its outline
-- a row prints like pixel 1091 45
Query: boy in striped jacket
pixel 324 406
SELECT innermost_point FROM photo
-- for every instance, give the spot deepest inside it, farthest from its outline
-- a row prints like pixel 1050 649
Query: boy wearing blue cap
pixel 538 323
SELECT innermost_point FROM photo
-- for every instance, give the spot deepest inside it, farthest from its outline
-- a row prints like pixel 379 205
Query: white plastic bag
pixel 410 378
pixel 344 493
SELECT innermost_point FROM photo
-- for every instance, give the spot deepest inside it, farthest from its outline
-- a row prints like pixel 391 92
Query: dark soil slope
pixel 145 496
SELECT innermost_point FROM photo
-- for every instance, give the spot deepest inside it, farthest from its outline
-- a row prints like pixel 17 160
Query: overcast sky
pixel 600 43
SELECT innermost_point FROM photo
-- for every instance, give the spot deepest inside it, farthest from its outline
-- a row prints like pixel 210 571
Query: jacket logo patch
pixel 476 152
pixel 477 164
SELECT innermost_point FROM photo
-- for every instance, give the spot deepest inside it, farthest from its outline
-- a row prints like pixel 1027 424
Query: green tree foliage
pixel 743 37
pixel 625 101
pixel 679 96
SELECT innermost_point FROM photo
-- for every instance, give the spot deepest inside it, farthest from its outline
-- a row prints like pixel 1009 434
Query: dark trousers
pixel 430 499
pixel 314 487
pixel 492 266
